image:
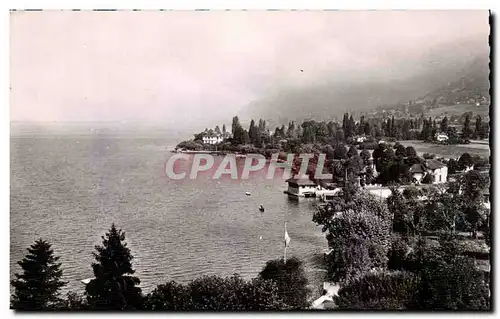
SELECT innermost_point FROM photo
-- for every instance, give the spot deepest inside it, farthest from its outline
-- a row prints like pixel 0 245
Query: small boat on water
pixel 248 193
pixel 261 208
pixel 86 281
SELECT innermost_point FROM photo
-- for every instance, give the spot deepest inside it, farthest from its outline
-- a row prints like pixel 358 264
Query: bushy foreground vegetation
pixel 408 252
pixel 279 286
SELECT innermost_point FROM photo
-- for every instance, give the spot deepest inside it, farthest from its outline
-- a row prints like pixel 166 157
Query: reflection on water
pixel 70 189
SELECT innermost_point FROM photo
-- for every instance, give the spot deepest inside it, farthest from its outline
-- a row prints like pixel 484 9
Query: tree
pixel 352 127
pixel 358 230
pixel 260 295
pixel 379 291
pixel 479 127
pixel 235 125
pixel 400 151
pixel 406 211
pixel 113 288
pixel 379 151
pixel 245 139
pixel 354 165
pixel 224 129
pixel 329 151
pixel 340 135
pixel 361 127
pixel 393 171
pixel 467 131
pixel 290 132
pixel 308 135
pixel 73 301
pixel 454 285
pixel 170 296
pixel 290 279
pixel 444 125
pixel 353 151
pixel 365 155
pixel 37 288
pixel 217 130
pixel 367 129
pixel 345 125
pixel 340 152
pixel 452 166
pixel 465 161
pixel 322 132
pixel 473 184
pixel 252 132
pixel 411 152
pixel 426 133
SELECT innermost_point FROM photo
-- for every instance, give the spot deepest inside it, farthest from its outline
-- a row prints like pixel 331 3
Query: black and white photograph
pixel 250 160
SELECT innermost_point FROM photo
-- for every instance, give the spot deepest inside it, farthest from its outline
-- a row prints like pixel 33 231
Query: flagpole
pixel 285 245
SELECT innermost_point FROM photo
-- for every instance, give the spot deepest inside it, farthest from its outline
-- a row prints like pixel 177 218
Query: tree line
pixel 259 138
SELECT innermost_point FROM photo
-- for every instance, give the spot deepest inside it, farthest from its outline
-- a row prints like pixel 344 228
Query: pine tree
pixel 361 127
pixel 444 125
pixel 252 132
pixel 367 129
pixel 393 127
pixel 37 288
pixel 351 127
pixel 235 125
pixel 112 288
pixel 388 128
pixel 345 122
pixel 479 127
pixel 466 132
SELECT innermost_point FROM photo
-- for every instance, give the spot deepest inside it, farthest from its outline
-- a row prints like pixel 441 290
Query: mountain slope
pixel 438 71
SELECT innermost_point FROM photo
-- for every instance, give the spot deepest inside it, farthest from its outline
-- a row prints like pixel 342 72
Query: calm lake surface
pixel 69 188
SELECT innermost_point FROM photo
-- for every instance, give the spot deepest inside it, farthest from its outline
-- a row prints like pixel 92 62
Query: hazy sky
pixel 189 67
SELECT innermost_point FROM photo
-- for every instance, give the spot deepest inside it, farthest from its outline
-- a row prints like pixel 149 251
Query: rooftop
pixel 301 181
pixel 433 164
pixel 417 168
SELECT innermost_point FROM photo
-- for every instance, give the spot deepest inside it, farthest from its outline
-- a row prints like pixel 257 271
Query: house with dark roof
pixel 302 187
pixel 436 169
pixel 417 172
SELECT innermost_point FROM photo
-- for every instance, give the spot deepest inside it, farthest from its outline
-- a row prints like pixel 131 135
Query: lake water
pixel 69 188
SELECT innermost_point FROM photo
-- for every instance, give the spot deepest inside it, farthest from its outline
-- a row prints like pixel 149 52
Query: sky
pixel 187 67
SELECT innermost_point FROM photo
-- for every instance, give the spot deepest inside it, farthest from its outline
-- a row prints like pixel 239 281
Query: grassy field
pixel 459 109
pixel 449 151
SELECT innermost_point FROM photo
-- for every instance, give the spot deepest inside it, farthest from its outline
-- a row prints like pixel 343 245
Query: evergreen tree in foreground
pixel 113 288
pixel 37 288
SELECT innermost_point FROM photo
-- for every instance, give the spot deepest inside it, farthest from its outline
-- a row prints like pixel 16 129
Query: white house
pixel 327 195
pixel 441 137
pixel 360 139
pixel 436 169
pixel 212 138
pixel 302 187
